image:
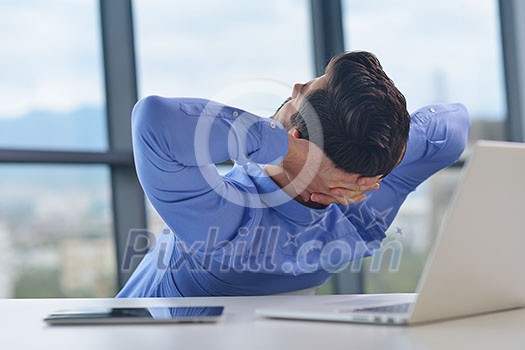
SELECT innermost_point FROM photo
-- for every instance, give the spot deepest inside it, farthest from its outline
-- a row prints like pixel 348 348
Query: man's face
pixel 291 105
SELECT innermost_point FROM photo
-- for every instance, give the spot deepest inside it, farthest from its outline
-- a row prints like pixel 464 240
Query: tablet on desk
pixel 127 315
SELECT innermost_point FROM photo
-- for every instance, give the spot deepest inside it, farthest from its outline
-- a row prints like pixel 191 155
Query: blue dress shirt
pixel 240 234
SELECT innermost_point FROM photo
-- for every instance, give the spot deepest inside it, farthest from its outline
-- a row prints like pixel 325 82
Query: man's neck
pixel 276 173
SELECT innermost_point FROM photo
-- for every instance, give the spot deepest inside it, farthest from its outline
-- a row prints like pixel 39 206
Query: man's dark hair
pixel 360 117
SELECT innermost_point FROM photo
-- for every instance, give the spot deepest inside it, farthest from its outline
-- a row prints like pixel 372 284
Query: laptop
pixel 477 262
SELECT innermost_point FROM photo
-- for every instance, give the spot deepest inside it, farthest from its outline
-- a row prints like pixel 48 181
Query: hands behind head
pixel 314 177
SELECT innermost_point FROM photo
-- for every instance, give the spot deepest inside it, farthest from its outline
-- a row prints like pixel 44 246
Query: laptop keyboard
pixel 396 308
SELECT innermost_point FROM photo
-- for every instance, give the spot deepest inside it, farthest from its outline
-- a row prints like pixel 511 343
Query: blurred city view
pixel 56 221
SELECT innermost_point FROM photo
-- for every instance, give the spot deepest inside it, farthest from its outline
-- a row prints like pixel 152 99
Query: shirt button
pixel 432 110
pixel 235 114
pixel 272 125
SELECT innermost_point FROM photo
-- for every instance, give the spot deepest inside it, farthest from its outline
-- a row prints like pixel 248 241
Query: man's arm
pixel 176 143
pixel 438 136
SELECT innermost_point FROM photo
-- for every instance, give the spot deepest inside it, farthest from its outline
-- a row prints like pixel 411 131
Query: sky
pixel 51 56
pixel 247 53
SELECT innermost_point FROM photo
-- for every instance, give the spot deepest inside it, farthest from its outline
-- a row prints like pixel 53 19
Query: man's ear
pixel 296 133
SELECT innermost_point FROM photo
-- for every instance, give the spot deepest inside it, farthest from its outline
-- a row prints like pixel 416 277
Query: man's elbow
pixel 144 112
pixel 459 131
pixel 457 134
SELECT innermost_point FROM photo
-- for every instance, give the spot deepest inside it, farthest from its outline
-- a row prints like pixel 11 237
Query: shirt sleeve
pixel 438 136
pixel 176 142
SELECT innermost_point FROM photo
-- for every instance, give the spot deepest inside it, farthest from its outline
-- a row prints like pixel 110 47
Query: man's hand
pixel 314 176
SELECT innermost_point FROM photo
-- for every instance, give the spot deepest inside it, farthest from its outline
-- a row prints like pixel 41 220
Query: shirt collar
pixel 273 196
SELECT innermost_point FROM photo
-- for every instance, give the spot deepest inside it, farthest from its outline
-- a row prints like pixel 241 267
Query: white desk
pixel 21 327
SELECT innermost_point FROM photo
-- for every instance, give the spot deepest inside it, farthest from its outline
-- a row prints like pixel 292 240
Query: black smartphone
pixel 126 315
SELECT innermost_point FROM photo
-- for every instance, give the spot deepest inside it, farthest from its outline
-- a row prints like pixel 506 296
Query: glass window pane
pixel 439 51
pixel 56 233
pixel 244 53
pixel 51 90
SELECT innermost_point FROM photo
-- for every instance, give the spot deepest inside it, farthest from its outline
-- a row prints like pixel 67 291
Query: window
pixel 56 222
pixel 56 228
pixel 55 231
pixel 51 92
pixel 441 51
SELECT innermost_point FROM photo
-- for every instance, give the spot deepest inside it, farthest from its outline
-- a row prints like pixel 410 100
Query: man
pixel 304 197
